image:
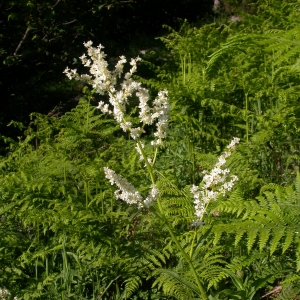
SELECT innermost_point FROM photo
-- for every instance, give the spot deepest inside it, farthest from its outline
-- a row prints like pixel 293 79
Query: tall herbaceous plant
pixel 121 89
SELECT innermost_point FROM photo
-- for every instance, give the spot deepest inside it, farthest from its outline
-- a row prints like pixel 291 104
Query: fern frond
pixel 132 284
pixel 289 238
pixel 181 280
pixel 276 239
pixel 264 237
pixel 252 235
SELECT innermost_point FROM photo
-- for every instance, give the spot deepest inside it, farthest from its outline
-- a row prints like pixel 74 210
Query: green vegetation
pixel 65 235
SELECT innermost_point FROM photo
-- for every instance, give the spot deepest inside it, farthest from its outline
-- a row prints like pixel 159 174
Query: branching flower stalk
pixel 103 82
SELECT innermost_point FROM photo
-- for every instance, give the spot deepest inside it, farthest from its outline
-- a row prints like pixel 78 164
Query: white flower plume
pixel 105 81
pixel 127 192
pixel 211 187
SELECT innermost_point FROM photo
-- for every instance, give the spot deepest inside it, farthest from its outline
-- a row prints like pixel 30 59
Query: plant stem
pixel 149 167
pixel 162 216
pixel 155 154
pixel 184 254
pixel 247 121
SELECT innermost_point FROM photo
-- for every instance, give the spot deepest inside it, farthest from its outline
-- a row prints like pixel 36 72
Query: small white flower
pixel 235 19
pixel 138 149
pixel 197 223
pixel 136 132
pixel 83 57
pixel 194 189
pixel 6 295
pixel 157 143
pixel 125 126
pixel 152 196
pixel 126 190
pixel 88 44
pixel 233 143
pixel 216 4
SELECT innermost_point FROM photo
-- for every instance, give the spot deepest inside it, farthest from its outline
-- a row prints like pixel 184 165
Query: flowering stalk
pixel 106 82
pixel 211 187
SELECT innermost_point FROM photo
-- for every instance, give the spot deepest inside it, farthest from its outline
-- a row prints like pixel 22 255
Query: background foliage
pixel 63 234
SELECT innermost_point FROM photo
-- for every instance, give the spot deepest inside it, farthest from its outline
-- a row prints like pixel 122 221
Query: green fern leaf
pixel 288 240
pixel 181 280
pixel 264 236
pixel 132 284
pixel 277 235
pixel 238 236
pixel 217 235
pixel 252 235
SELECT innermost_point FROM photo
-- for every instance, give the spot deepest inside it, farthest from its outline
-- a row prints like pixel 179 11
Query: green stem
pixel 164 219
pixel 112 208
pixel 155 154
pixel 162 216
pixel 203 74
pixel 247 121
pixel 191 153
pixel 65 173
pixel 189 67
pixel 193 242
pixel 184 71
pixel 102 202
pixel 87 116
pixel 184 254
pixel 86 194
pixel 149 167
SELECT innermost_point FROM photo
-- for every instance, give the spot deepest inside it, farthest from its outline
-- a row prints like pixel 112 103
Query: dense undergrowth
pixel 65 236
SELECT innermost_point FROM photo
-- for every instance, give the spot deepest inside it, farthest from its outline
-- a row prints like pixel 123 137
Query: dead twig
pixel 276 290
pixel 55 4
pixel 22 40
pixel 67 23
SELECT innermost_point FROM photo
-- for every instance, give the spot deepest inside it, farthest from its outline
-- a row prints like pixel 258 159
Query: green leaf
pixel 235 279
pixel 252 235
pixel 289 237
pixel 264 236
pixel 188 284
pixel 13 16
pixel 278 233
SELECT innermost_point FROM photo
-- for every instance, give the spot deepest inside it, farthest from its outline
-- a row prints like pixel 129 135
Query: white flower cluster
pixel 127 192
pixel 139 148
pixel 211 188
pixel 152 196
pixel 105 81
pixel 216 4
pixel 5 295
